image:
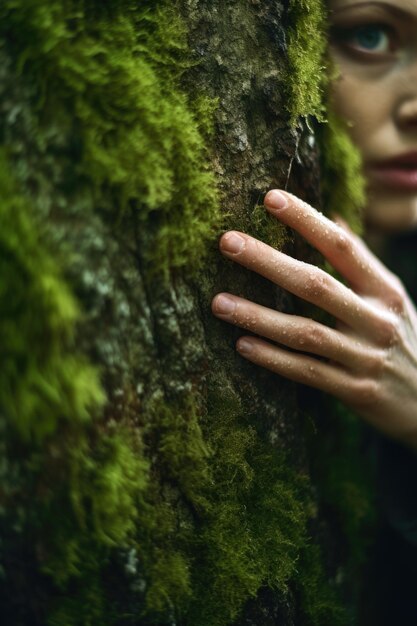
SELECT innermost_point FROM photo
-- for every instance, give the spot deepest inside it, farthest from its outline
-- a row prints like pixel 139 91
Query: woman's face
pixel 374 45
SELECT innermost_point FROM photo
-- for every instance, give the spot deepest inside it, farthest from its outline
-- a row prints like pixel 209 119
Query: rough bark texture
pixel 149 475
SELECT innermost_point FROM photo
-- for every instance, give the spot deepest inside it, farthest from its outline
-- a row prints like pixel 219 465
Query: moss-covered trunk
pixel 149 475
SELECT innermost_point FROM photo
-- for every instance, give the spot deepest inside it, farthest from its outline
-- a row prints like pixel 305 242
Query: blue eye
pixel 372 38
pixel 372 41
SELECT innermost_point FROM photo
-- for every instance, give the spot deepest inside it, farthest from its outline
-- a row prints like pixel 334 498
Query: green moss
pixel 109 477
pixel 51 397
pixel 167 532
pixel 320 603
pixel 183 451
pixel 87 608
pixel 342 178
pixel 51 386
pixel 252 532
pixel 225 513
pixel 170 586
pixel 115 85
pixel 42 386
pixel 267 228
pixel 212 509
pixel 96 506
pixel 307 44
pixel 310 73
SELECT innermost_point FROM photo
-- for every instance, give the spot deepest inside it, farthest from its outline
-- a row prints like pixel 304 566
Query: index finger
pixel 337 245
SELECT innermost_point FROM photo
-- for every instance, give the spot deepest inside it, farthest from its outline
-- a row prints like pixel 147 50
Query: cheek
pixel 365 106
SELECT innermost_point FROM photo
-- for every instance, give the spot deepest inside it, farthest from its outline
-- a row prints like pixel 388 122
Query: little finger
pixel 298 367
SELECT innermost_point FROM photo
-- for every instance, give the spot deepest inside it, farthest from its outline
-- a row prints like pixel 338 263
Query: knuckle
pixel 309 336
pixel 318 284
pixel 316 334
pixel 397 303
pixel 397 296
pixel 343 243
pixel 374 363
pixel 366 392
pixel 388 331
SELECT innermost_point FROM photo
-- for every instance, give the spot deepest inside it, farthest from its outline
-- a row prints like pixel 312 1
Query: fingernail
pixel 232 242
pixel 224 305
pixel 276 200
pixel 244 346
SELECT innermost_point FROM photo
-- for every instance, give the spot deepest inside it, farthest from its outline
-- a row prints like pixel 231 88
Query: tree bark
pixel 150 475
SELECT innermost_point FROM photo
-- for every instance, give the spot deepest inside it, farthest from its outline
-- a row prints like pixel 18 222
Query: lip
pixel 399 172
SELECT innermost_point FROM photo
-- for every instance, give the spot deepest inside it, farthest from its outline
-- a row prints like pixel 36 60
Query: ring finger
pixel 292 331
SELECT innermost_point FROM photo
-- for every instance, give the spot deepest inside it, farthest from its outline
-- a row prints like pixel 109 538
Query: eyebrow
pixel 403 12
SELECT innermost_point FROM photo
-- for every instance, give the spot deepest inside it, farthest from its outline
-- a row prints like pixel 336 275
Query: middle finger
pixel 302 279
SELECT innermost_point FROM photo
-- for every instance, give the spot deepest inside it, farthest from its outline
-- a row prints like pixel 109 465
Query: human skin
pixel 377 94
pixel 369 360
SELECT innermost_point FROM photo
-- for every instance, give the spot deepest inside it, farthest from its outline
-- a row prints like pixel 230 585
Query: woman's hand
pixel 370 358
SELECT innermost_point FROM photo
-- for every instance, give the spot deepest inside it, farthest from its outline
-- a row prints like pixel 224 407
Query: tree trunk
pixel 149 474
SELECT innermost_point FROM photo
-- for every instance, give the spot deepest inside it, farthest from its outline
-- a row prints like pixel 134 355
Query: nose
pixel 407 107
pixel 407 112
